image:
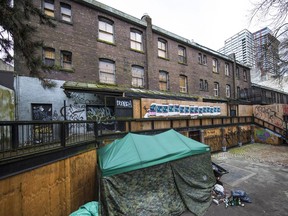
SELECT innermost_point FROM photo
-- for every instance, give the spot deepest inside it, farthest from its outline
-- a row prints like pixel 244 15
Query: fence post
pixel 15 136
pixel 252 133
pixel 224 142
pixel 202 136
pixel 239 136
pixel 63 134
pixel 95 129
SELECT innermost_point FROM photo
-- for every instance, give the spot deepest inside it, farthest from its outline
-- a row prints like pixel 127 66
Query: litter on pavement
pixel 236 197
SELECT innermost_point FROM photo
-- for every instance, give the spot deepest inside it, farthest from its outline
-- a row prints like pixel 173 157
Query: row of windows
pixel 107 73
pixel 106 34
pixel 49 58
pixel 65 10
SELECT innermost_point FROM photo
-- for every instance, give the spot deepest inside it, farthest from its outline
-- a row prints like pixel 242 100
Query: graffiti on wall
pixel 74 112
pixel 262 135
pixel 42 133
pixel 285 109
pixel 85 98
pixel 213 138
pixel 42 112
pixel 100 114
pixel 269 115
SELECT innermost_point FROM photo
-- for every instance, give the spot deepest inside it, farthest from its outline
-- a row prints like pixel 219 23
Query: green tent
pixel 163 174
pixel 136 151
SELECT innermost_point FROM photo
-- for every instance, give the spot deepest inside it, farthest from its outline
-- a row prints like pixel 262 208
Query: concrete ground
pixel 260 170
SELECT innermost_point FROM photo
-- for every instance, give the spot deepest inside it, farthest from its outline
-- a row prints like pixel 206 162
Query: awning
pixel 127 92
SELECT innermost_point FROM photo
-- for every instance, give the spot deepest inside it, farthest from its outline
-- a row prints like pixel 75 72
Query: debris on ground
pixel 219 195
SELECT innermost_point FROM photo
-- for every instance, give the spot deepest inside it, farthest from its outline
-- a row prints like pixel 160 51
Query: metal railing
pixel 25 145
pixel 18 138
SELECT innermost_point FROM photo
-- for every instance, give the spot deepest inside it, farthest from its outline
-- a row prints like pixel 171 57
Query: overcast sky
pixel 207 22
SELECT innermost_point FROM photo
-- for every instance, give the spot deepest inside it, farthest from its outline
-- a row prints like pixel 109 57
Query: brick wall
pixel 80 38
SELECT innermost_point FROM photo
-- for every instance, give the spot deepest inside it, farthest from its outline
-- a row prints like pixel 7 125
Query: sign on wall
pixel 183 110
pixel 123 107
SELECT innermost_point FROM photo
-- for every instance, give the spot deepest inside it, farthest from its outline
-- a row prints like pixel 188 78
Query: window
pixel 49 8
pixel 182 55
pixel 49 56
pixel 205 85
pixel 183 84
pixel 162 48
pixel 215 65
pixel 137 76
pixel 107 71
pixel 201 84
pixel 163 81
pixel 245 75
pixel 66 12
pixel 246 93
pixel 106 31
pixel 228 91
pixel 66 60
pixel 202 59
pixel 136 40
pixel 227 69
pixel 237 73
pixel 238 92
pixel 216 89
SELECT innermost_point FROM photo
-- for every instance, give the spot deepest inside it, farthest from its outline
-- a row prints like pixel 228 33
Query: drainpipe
pixel 148 44
pixel 17 92
pixel 233 56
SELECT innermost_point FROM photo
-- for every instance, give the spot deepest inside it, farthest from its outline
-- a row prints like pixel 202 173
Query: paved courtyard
pixel 260 170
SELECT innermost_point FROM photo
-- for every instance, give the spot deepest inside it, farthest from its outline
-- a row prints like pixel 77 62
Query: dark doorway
pixel 195 135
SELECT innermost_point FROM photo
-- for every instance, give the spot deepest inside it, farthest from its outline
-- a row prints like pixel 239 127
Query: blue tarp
pixel 89 209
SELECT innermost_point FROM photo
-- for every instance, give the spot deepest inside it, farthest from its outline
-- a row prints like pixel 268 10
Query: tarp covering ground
pixel 172 174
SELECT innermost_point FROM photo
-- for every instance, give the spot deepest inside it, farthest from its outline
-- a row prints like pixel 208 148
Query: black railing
pixel 18 138
pixel 25 145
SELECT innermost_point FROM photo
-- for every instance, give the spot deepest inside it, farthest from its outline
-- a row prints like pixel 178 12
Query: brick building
pixel 96 49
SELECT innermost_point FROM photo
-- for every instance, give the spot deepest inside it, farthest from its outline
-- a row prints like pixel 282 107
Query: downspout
pixel 148 44
pixel 17 92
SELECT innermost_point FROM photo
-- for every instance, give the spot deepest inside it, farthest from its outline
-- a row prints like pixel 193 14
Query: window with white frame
pixel 137 76
pixel 216 89
pixel 163 81
pixel 162 48
pixel 107 71
pixel 245 75
pixel 227 69
pixel 183 84
pixel 228 91
pixel 66 12
pixel 49 56
pixel 215 65
pixel 66 60
pixel 182 58
pixel 48 6
pixel 106 30
pixel 136 40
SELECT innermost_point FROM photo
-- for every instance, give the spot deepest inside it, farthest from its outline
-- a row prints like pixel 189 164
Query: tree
pixel 16 33
pixel 275 12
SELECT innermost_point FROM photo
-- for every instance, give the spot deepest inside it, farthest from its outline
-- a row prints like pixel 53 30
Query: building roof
pixel 117 13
